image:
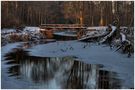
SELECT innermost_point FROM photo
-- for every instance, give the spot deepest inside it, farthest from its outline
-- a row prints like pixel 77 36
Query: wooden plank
pixel 61 25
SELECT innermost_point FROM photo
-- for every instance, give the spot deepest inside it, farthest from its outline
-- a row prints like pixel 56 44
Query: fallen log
pixel 109 36
pixel 93 35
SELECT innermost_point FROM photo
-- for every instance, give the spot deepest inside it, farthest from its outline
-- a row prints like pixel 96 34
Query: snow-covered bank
pixel 31 29
pixel 7 81
pixel 90 53
pixel 7 31
pixel 16 35
pixel 8 48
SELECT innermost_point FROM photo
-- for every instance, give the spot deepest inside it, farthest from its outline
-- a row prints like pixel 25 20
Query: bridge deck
pixel 62 26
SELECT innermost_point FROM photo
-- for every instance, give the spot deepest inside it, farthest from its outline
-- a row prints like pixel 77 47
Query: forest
pixel 89 13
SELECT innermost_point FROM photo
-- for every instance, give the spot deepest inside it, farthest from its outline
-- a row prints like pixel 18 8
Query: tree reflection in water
pixel 67 71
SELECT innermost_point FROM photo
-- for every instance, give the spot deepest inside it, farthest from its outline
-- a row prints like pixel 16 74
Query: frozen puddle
pixel 61 65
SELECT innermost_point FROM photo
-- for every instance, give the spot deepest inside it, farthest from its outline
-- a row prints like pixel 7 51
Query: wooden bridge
pixel 49 29
pixel 63 26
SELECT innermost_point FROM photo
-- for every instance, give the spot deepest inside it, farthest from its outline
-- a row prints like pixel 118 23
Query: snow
pixel 104 27
pixel 33 33
pixel 123 37
pixel 91 34
pixel 5 31
pixel 91 53
pixel 31 29
pixel 8 48
pixel 98 27
pixel 27 30
pixel 94 54
pixel 113 30
pixel 65 34
pixel 123 27
pixel 110 34
pixel 7 81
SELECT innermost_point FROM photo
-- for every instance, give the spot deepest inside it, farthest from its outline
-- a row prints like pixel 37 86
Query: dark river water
pixel 58 72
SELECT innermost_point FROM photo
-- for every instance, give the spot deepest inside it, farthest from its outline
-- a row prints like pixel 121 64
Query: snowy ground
pixel 6 81
pixel 31 33
pixel 93 54
pixel 65 34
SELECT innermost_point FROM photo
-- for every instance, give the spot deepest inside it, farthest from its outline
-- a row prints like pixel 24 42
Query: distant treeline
pixel 90 13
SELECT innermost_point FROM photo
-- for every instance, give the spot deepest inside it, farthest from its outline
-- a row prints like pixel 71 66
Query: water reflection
pixel 63 72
